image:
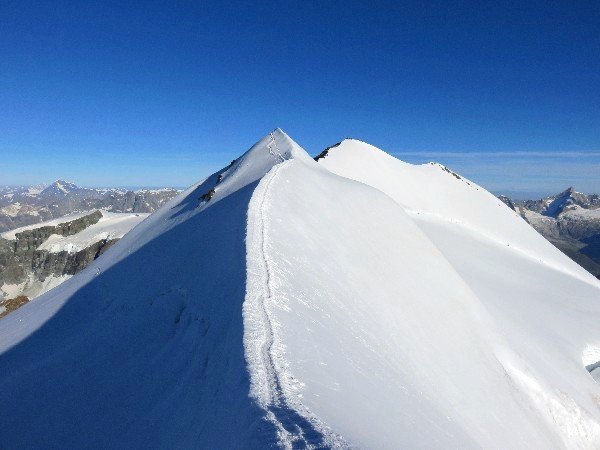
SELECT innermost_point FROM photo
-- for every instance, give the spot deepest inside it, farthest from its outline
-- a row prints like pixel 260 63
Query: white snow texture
pixel 357 301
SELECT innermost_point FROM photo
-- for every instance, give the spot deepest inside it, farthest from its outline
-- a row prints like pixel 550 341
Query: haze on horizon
pixel 162 95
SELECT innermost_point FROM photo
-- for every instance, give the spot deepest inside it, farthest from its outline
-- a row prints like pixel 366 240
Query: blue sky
pixel 162 93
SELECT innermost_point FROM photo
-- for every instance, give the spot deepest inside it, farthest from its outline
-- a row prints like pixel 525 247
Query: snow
pixel 577 212
pixel 155 333
pixel 11 210
pixel 429 190
pixel 32 287
pixel 155 191
pixel 35 288
pixel 11 290
pixel 110 226
pixel 32 191
pixel 354 302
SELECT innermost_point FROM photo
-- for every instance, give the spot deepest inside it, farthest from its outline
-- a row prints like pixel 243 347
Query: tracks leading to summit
pixel 267 345
pixel 263 350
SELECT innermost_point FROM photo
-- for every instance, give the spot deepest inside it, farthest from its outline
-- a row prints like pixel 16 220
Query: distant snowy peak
pixel 60 188
pixel 570 220
pixel 566 199
pixel 555 205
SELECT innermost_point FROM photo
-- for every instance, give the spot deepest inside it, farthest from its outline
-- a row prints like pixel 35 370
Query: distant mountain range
pixel 570 220
pixel 27 205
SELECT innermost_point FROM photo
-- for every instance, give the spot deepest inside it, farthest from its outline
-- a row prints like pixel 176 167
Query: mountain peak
pixel 274 148
pixel 567 192
pixel 60 187
pixel 566 198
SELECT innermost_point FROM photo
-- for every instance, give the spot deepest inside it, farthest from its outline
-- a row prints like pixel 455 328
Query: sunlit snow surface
pixel 357 301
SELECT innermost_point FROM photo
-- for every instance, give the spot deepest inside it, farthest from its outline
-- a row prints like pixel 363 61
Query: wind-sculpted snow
pixel 434 190
pixel 356 301
pixel 543 306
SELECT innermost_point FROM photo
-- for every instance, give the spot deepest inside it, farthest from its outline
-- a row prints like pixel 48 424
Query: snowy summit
pixel 353 301
pixel 60 187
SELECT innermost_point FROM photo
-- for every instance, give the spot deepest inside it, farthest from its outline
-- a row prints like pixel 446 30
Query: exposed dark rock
pixel 325 152
pixel 208 195
pixel 20 259
pixel 11 304
pixel 508 202
pixel 455 175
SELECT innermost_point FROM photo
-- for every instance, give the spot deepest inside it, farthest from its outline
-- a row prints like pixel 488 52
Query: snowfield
pixel 357 301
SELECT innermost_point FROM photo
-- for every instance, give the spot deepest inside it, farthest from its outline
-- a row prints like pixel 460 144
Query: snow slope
pixel 354 302
pixel 434 191
pixel 144 348
pixel 542 305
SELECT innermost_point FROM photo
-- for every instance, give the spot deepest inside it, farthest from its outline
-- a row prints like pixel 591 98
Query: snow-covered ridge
pixel 357 301
pixel 431 190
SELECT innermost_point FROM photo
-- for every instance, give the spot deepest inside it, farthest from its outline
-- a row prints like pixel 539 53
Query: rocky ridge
pixel 26 270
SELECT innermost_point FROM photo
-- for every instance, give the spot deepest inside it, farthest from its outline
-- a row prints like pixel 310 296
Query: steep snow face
pixel 144 348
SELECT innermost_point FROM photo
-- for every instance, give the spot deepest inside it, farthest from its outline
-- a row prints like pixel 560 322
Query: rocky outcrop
pixel 31 239
pixel 22 263
pixel 508 202
pixel 9 305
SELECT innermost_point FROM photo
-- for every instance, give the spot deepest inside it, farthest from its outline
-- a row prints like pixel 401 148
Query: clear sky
pixel 161 93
